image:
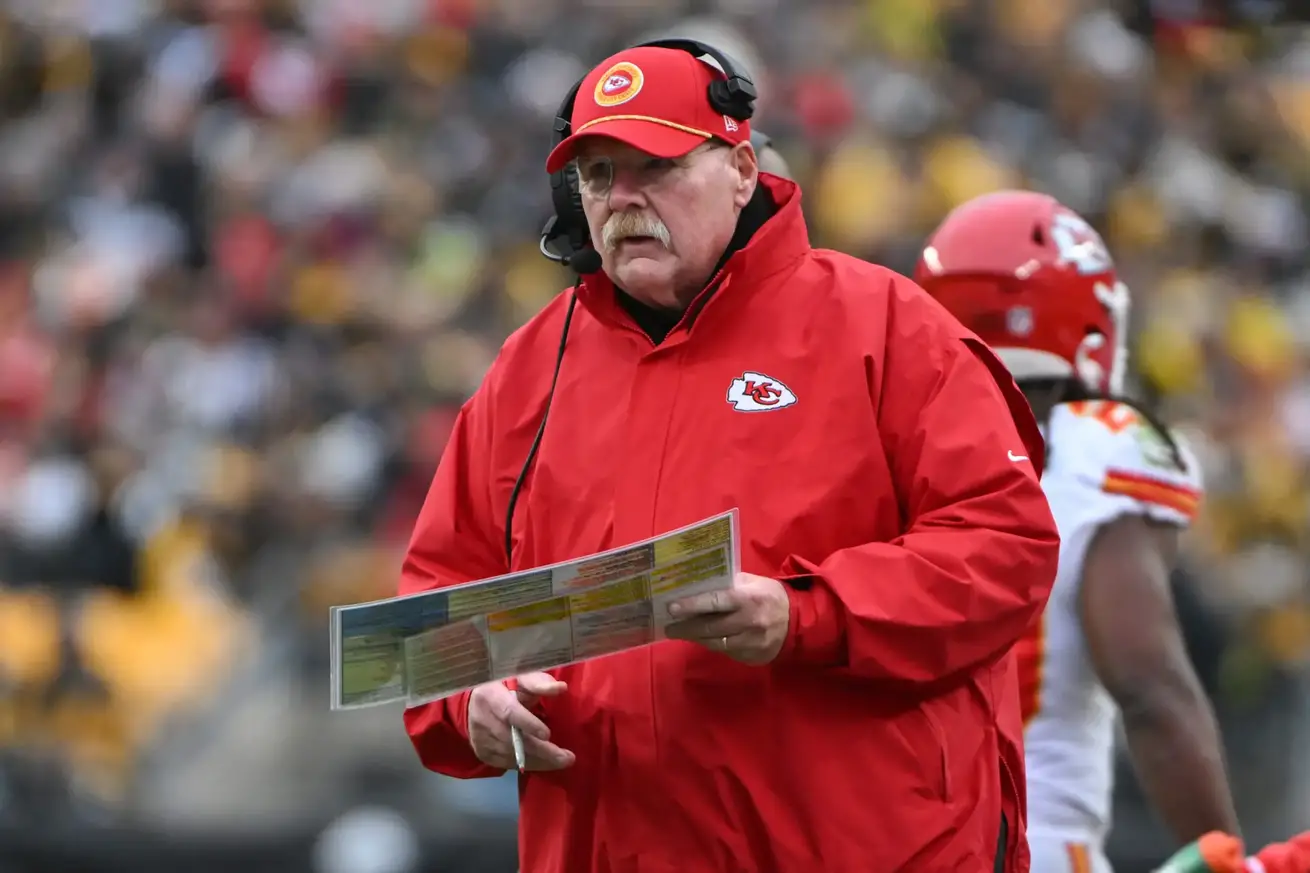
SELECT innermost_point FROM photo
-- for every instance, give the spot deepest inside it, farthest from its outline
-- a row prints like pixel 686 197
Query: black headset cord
pixel 541 429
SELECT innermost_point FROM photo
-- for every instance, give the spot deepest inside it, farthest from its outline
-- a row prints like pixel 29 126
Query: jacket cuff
pixel 459 714
pixel 439 732
pixel 816 636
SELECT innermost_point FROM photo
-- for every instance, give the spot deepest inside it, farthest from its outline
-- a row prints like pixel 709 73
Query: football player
pixel 1035 281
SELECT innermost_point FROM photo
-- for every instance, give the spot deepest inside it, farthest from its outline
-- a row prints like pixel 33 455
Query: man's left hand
pixel 747 622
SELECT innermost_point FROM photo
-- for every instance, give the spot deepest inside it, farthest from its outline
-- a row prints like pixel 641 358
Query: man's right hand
pixel 493 709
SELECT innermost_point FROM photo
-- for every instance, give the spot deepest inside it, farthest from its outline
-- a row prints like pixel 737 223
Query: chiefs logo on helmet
pixel 1036 282
pixel 1079 244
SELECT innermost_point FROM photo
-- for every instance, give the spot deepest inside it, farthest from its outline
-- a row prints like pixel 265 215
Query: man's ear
pixel 747 166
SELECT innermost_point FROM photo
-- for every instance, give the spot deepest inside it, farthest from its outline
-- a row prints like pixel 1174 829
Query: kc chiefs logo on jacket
pixel 755 392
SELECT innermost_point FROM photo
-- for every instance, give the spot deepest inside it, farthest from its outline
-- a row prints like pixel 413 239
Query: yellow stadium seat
pixel 29 637
pixel 171 645
pixel 159 653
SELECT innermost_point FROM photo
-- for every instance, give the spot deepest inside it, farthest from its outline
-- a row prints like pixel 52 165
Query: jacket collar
pixel 779 241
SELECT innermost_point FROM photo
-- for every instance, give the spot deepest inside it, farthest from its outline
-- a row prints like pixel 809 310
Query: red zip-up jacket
pixel 897 496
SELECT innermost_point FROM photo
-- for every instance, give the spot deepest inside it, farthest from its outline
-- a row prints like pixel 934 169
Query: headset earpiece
pixel 566 197
pixel 565 233
pixel 734 95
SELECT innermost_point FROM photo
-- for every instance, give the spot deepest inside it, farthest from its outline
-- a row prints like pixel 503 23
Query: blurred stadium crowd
pixel 253 255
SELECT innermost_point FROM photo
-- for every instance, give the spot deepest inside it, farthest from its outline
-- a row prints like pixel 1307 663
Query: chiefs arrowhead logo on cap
pixel 619 84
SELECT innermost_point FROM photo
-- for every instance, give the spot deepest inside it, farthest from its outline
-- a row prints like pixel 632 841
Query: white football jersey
pixel 1104 461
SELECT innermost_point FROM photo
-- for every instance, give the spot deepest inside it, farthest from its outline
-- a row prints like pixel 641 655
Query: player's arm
pixel 974 565
pixel 1137 648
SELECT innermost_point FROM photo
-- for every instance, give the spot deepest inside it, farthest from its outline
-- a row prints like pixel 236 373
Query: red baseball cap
pixel 653 99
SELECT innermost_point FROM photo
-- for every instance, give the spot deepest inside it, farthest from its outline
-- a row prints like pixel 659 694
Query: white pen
pixel 520 757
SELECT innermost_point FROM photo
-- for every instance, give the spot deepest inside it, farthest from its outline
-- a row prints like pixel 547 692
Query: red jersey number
pixel 1116 417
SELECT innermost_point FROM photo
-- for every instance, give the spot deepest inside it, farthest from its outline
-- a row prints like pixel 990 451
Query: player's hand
pixel 747 622
pixel 493 708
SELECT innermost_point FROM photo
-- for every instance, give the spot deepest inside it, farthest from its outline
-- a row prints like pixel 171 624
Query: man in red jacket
pixel 851 704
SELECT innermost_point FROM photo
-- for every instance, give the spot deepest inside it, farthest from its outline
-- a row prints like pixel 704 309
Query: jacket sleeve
pixel 456 539
pixel 977 557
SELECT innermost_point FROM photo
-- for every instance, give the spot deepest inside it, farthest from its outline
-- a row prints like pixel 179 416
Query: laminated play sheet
pixel 422 647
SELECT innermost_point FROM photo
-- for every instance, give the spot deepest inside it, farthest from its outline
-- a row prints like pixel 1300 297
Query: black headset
pixel 565 239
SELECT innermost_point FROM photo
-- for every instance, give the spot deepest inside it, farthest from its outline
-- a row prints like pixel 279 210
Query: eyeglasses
pixel 596 174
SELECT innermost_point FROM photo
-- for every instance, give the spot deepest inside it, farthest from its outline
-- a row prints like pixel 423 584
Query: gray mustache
pixel 623 225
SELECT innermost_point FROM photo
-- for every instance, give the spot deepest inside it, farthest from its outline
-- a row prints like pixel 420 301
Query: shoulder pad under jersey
pixel 1115 450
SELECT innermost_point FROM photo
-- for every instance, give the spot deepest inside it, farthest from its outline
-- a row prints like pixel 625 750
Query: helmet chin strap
pixel 1090 371
pixel 1118 301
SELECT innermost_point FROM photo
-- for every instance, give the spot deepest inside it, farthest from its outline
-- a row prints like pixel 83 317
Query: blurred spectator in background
pixel 254 253
pixel 771 161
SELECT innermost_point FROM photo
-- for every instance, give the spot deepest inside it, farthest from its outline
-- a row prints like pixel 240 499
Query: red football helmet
pixel 1036 283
